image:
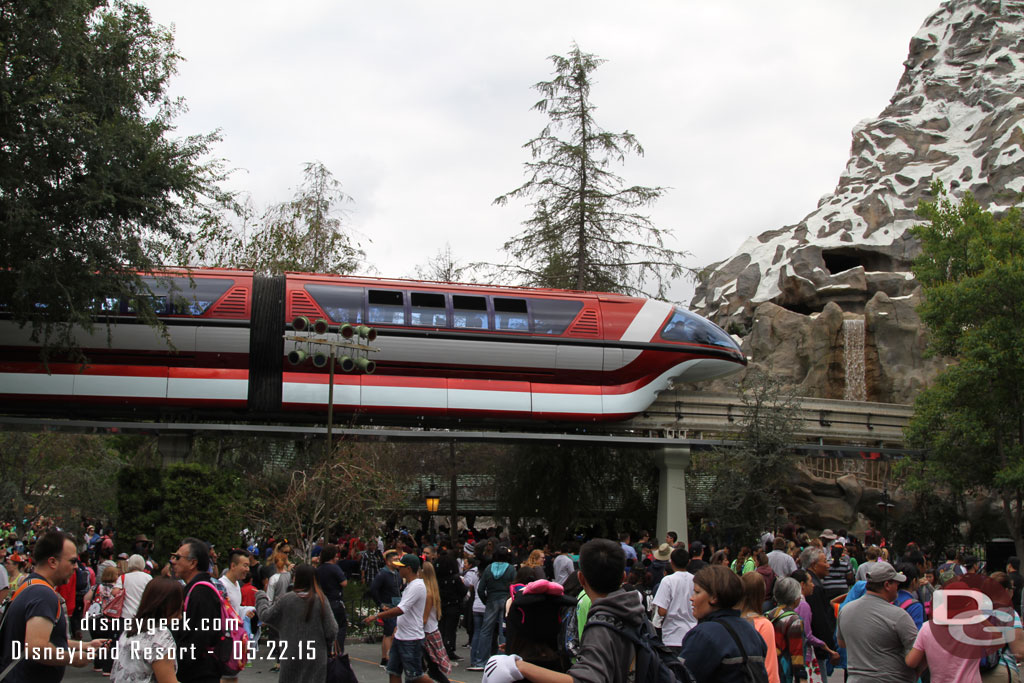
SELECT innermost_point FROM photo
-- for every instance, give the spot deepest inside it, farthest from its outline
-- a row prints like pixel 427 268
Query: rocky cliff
pixel 957 116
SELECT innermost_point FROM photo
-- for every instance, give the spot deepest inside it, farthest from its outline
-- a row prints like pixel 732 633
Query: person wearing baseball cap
pixel 877 634
pixel 406 654
pixel 386 591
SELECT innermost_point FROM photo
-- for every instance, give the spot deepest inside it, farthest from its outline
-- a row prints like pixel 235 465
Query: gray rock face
pixel 812 354
pixel 956 116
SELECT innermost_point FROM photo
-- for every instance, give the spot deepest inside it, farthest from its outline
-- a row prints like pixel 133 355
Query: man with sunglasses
pixel 197 664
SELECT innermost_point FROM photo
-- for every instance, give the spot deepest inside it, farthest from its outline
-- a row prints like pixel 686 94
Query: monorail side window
pixel 109 304
pixel 193 297
pixel 341 304
pixel 386 306
pixel 553 316
pixel 510 314
pixel 469 312
pixel 428 309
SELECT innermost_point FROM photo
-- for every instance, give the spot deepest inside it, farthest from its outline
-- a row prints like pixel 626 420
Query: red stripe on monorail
pixel 125 371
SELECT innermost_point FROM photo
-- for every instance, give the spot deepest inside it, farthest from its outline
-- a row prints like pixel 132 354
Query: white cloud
pixel 421 109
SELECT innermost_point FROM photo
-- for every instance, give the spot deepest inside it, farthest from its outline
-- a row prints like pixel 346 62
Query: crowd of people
pixel 789 606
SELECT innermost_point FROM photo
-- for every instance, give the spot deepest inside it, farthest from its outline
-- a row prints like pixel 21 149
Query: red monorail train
pixel 444 351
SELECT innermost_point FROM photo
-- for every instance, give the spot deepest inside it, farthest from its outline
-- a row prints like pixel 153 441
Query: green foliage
pixel 92 184
pixel 140 504
pixel 566 486
pixel 174 502
pixel 749 479
pixel 971 421
pixel 306 233
pixel 60 476
pixel 586 231
pixel 936 511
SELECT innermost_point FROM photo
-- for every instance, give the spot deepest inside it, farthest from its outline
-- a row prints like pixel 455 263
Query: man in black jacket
pixel 197 664
pixel 823 618
pixel 386 590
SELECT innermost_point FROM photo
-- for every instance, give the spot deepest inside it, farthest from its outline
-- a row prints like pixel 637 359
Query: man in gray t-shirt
pixel 563 565
pixel 877 634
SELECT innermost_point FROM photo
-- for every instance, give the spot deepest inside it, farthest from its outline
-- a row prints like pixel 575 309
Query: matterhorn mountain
pixel 833 296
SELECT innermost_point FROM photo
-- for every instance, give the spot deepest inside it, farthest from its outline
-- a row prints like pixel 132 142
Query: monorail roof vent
pixel 586 324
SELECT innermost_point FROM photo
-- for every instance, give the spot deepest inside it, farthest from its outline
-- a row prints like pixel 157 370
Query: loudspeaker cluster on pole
pixel 317 341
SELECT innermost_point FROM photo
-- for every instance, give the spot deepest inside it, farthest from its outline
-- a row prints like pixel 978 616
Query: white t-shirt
pixel 234 592
pixel 413 604
pixel 674 595
pixel 133 584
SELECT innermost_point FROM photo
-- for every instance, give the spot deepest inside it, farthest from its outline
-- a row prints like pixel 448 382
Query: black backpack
pixel 81 580
pixel 533 628
pixel 655 662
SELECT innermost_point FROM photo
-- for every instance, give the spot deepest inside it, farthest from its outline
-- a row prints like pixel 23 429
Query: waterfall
pixel 853 353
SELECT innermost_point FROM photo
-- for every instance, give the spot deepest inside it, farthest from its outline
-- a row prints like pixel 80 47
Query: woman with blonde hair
pixel 438 664
pixel 536 562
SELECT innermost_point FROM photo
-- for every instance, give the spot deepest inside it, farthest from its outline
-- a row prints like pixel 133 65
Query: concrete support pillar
pixel 672 463
pixel 174 448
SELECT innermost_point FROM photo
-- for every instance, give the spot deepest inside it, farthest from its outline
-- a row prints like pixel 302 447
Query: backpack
pixel 81 580
pixel 784 657
pixel 533 628
pixel 653 661
pixel 754 671
pixel 232 647
pixel 114 608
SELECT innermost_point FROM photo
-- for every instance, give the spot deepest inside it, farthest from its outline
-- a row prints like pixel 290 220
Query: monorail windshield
pixel 685 326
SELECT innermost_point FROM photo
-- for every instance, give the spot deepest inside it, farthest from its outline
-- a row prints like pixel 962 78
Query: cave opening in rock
pixel 845 258
pixel 801 307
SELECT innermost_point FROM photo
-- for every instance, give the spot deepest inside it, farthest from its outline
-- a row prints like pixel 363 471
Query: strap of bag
pixel 200 583
pixel 736 639
pixel 9 668
pixel 614 625
pixel 31 582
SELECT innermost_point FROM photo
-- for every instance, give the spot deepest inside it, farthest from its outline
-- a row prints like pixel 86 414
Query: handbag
pixel 339 670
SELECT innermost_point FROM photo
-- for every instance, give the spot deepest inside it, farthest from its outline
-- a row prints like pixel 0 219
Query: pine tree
pixel 586 231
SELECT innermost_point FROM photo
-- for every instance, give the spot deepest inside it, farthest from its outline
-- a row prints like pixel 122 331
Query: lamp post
pixel 453 485
pixel 433 499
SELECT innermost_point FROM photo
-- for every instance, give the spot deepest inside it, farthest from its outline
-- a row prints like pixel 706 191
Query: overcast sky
pixel 421 109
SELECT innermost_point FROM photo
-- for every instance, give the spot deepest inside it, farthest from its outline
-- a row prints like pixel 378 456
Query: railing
pixel 696 414
pixel 872 473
